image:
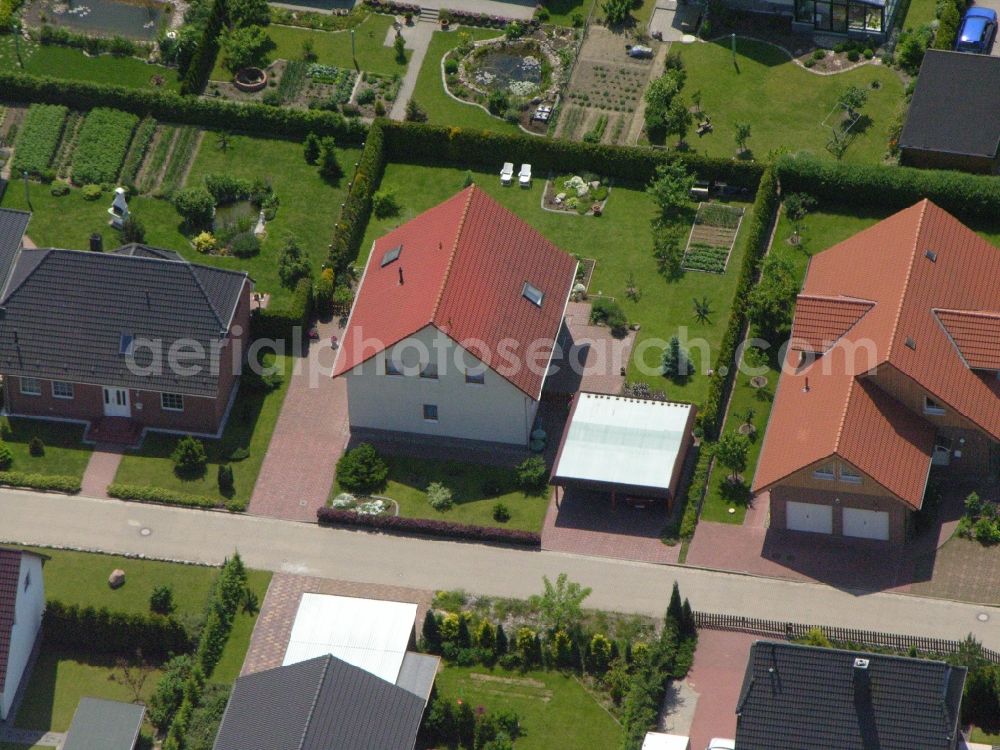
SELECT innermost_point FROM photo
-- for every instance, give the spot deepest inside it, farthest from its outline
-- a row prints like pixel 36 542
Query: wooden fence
pixel 865 638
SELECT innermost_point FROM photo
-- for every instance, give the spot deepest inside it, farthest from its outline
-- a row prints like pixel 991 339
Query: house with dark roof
pixel 137 336
pixel 22 602
pixel 953 120
pixel 104 725
pixel 319 704
pixel 455 324
pixel 892 370
pixel 811 698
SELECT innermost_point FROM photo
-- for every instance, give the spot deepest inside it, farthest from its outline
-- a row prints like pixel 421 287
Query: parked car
pixel 717 743
pixel 640 51
pixel 977 31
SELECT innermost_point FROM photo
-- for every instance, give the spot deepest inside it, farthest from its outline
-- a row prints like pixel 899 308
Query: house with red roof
pixel 455 324
pixel 892 369
pixel 22 603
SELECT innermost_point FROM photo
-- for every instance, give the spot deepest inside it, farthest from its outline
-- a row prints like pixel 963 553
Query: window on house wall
pixel 172 401
pixel 932 407
pixel 391 368
pixel 431 412
pixel 475 378
pixel 430 371
pixel 848 474
pixel 825 471
pixel 31 387
pixel 61 389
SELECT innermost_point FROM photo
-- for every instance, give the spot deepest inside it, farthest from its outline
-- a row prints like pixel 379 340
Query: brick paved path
pixel 274 626
pixel 297 473
pixel 101 470
pixel 717 677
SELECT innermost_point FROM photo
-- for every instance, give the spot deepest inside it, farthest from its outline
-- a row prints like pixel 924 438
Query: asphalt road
pixel 207 537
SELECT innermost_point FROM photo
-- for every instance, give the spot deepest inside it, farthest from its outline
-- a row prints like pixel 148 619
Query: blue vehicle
pixel 978 29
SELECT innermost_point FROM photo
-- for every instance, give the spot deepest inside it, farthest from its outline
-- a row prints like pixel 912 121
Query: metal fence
pixel 866 638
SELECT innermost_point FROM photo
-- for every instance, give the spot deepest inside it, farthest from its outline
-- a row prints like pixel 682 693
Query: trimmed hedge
pixel 169 106
pixel 105 632
pixel 765 208
pixel 200 66
pixel 429 527
pixel 44 482
pixel 417 142
pixel 353 221
pixel 279 322
pixel 142 493
pixel 969 197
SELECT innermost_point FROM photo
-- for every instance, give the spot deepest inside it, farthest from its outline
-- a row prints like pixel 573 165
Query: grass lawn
pixel 475 490
pixel 976 735
pixel 71 63
pixel 783 103
pixel 308 208
pixel 555 710
pixel 620 240
pixel 58 682
pixel 441 108
pixel 250 425
pixel 334 47
pixel 561 12
pixel 64 452
pixel 920 13
pixel 231 662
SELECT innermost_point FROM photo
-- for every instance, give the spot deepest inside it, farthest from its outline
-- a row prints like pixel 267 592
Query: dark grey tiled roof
pixel 64 313
pixel 956 105
pixel 145 251
pixel 319 704
pixel 12 227
pixel 806 698
pixel 104 725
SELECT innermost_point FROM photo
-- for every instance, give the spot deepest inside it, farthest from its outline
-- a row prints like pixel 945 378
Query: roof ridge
pixel 971 313
pixel 454 251
pixel 838 298
pixel 315 701
pixel 906 282
pixel 8 292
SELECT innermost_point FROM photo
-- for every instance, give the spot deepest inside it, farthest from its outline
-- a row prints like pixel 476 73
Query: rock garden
pixel 582 194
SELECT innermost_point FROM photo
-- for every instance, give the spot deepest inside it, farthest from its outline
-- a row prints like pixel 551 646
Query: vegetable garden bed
pixel 103 142
pixel 712 237
pixel 38 138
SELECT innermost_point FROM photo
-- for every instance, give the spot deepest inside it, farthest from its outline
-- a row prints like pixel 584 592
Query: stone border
pixel 793 58
pixel 590 212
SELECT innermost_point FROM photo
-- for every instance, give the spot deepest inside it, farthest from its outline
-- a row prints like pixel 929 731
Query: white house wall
pixel 29 607
pixel 496 411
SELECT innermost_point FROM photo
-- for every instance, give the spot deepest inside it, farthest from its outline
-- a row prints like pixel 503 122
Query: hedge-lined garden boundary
pixel 278 322
pixel 141 493
pixel 188 110
pixel 43 482
pixel 970 197
pixel 429 527
pixel 122 634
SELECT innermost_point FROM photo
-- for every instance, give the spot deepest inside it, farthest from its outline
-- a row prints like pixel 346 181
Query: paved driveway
pixel 716 678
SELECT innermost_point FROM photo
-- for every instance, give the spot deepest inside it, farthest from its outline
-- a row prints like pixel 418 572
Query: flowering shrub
pixel 370 508
pixel 344 500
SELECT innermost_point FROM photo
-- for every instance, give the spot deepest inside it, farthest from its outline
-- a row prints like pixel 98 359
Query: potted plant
pixel 445 17
pixel 408 15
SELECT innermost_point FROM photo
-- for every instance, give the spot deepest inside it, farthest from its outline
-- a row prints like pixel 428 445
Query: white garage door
pixel 867 524
pixel 809 517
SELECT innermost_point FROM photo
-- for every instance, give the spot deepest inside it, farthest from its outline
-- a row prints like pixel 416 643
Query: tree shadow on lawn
pixel 760 52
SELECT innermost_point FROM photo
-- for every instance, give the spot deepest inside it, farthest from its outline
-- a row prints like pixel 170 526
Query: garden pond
pixel 133 19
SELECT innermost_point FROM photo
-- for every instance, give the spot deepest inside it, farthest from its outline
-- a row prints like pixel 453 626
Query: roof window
pixel 911 343
pixel 931 256
pixel 125 344
pixel 533 294
pixel 391 255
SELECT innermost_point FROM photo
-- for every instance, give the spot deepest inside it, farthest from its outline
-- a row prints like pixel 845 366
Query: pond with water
pixel 239 216
pixel 499 68
pixel 138 19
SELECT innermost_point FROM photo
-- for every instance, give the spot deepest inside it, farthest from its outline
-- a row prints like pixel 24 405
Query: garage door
pixel 809 517
pixel 867 524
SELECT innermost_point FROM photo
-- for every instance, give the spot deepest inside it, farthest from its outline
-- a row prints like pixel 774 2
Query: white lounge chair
pixel 507 173
pixel 524 176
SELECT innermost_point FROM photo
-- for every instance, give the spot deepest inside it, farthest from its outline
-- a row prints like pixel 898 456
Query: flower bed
pixel 581 194
pixel 341 79
pixel 250 80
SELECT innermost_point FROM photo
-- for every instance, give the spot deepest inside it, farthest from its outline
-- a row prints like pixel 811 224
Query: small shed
pixel 104 725
pixel 630 446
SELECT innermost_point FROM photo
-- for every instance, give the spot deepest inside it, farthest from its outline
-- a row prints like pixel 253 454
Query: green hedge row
pixel 142 493
pixel 765 208
pixel 279 322
pixel 201 63
pixel 102 631
pixel 171 107
pixel 353 221
pixel 969 197
pixel 44 482
pixel 417 142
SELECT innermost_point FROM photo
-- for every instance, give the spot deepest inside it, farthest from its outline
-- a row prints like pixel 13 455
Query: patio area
pixel 592 358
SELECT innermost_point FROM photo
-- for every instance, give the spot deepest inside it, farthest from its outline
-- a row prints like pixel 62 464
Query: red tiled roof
pixel 464 264
pixel 10 576
pixel 915 262
pixel 821 321
pixel 976 335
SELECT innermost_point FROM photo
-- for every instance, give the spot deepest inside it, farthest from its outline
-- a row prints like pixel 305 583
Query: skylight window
pixel 391 255
pixel 125 344
pixel 533 294
pixel 931 256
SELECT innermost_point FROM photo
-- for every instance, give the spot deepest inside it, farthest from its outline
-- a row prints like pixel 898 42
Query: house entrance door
pixel 116 403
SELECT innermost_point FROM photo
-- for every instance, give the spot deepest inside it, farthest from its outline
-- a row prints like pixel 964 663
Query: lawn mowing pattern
pixel 621 242
pixel 475 490
pixel 101 148
pixel 782 102
pixel 38 138
pixel 250 425
pixel 72 64
pixel 334 47
pixel 555 710
pixel 441 108
pixel 65 452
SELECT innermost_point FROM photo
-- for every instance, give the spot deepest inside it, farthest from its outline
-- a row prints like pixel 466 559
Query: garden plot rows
pixel 712 237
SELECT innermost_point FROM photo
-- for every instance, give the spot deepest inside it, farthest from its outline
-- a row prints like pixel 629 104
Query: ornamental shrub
pixel 6 457
pixel 532 474
pixel 609 313
pixel 293 265
pixel 196 205
pixel 431 634
pixel 161 601
pixel 91 192
pixel 189 456
pixel 385 203
pixel 36 448
pixel 598 654
pixel 311 148
pixel 501 513
pixel 133 230
pixel 245 245
pixel 205 243
pixel 439 496
pixel 362 471
pixel 451 66
pixel 60 190
pixel 224 477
